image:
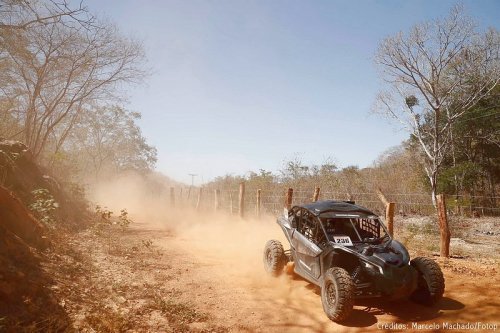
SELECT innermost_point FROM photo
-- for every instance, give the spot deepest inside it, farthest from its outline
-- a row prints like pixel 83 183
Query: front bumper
pixel 396 282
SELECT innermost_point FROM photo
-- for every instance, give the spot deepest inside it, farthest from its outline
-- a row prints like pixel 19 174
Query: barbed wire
pixel 273 200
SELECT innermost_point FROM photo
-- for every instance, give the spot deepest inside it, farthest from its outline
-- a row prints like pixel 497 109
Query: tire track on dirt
pixel 220 260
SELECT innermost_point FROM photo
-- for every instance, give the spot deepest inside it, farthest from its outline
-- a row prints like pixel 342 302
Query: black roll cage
pixel 348 215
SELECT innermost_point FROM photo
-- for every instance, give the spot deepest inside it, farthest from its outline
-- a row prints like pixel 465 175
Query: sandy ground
pixel 222 274
pixel 186 272
pixel 205 274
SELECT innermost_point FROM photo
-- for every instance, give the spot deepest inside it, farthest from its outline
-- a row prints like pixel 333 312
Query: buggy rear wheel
pixel 337 294
pixel 274 258
pixel 430 287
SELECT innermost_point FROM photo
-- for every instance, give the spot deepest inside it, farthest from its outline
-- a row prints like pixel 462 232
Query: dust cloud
pixel 215 264
pixel 226 249
pixel 224 233
pixel 225 236
pixel 145 197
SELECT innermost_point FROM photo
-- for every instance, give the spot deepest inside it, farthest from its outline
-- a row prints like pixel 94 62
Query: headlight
pixel 373 267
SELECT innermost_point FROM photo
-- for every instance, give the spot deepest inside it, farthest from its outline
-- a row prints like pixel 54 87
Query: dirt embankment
pixel 25 300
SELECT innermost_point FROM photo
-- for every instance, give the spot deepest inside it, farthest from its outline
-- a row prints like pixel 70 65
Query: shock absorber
pixel 356 273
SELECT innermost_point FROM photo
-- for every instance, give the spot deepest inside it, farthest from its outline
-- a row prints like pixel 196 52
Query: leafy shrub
pixel 123 220
pixel 44 206
pixel 104 217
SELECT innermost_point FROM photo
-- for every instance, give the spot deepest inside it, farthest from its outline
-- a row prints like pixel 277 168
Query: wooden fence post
pixel 198 203
pixel 389 216
pixel 390 207
pixel 231 203
pixel 172 197
pixel 217 199
pixel 316 194
pixel 443 226
pixel 257 206
pixel 242 200
pixel 289 198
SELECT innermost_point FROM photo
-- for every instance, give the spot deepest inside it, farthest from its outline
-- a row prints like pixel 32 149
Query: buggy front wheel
pixel 337 294
pixel 430 287
pixel 274 258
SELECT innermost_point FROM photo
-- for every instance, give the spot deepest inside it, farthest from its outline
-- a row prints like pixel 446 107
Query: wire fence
pixel 272 201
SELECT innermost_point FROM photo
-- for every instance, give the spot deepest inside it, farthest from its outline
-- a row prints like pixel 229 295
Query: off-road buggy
pixel 346 250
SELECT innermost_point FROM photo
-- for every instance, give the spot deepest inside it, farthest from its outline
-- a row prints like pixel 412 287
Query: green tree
pixel 435 74
pixel 109 139
pixel 474 167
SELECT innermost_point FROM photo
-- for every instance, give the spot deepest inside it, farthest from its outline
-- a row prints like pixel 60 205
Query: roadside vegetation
pixel 62 75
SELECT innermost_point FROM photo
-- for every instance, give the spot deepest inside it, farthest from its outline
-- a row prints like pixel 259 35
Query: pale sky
pixel 243 85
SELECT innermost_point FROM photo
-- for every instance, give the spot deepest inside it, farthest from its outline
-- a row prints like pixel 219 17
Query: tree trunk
pixel 435 163
pixel 444 229
pixel 433 176
pixel 454 160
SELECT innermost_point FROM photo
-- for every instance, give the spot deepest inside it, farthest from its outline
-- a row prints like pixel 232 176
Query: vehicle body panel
pixel 378 264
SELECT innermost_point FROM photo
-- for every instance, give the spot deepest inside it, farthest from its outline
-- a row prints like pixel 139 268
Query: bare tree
pixel 18 15
pixel 434 74
pixel 56 69
pixel 21 14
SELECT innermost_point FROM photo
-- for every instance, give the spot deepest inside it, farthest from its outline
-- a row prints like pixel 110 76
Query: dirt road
pixel 218 268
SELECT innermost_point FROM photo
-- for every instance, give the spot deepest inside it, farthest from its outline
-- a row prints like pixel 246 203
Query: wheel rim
pixel 331 294
pixel 269 256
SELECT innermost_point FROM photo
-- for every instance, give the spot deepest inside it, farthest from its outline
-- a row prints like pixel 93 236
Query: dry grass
pixel 179 314
pixel 474 238
pixel 107 321
pixel 112 280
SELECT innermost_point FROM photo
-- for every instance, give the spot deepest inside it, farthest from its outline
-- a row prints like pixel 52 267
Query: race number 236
pixel 342 240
